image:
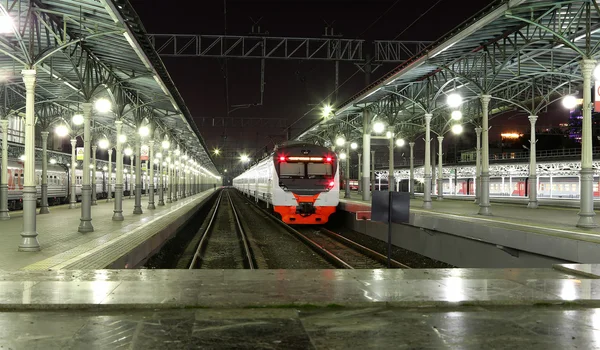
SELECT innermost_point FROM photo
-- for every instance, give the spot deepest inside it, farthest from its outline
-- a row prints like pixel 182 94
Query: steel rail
pixel 362 249
pixel 243 236
pixel 205 234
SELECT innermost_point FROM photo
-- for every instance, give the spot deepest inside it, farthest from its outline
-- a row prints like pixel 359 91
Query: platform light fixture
pixel 225 170
pixel 342 156
pixel 6 24
pixel 156 161
pixel 158 155
pixel 177 152
pixel 389 134
pixel 144 131
pixel 378 127
pixel 22 157
pixel 244 158
pixel 105 168
pixel 454 100
pixel 597 73
pixel 216 151
pixel 77 119
pixel 456 115
pixel 326 110
pixel 457 129
pixel 103 144
pixel 61 130
pixel 91 166
pixel 569 102
pixel 102 105
pixel 128 151
pixel 165 144
pixel 52 161
pixel 340 141
pixel 354 145
pixel 400 142
pixel 125 171
pixel 122 138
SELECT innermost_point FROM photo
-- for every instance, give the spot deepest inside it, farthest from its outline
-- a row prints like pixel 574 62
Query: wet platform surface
pixel 124 289
pixel 545 220
pixel 305 328
pixel 62 246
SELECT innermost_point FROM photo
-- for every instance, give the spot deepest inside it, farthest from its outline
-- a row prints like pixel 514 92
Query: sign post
pixel 390 207
pixel 80 153
pixel 144 152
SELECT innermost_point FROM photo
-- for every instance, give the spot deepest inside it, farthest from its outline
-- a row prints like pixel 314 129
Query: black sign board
pixel 390 207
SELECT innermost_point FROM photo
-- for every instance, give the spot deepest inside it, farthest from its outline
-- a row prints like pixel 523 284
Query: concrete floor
pixel 305 328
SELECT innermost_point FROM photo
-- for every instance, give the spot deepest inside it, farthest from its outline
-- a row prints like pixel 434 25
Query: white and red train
pixel 299 180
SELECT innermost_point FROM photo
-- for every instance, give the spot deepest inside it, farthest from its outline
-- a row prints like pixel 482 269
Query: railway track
pixel 221 218
pixel 337 249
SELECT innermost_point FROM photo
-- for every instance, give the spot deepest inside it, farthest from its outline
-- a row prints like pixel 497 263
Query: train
pixel 59 189
pixel 300 181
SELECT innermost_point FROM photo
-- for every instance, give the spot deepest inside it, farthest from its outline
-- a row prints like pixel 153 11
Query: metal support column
pixel 130 184
pixel 484 200
pixel 391 180
pixel 477 166
pixel 94 169
pixel 151 182
pixel 359 178
pixel 372 172
pixel 347 172
pixel 4 215
pixel 586 199
pixel 29 241
pixel 533 202
pixel 411 180
pixel 85 223
pixel 109 176
pixel 118 207
pixel 73 201
pixel 170 178
pixel 161 183
pixel 427 169
pixel 44 202
pixel 440 175
pixel 366 165
pixel 137 206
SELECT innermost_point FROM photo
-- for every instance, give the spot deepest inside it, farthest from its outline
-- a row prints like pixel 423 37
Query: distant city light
pixel 244 158
pixel 326 111
pixel 511 135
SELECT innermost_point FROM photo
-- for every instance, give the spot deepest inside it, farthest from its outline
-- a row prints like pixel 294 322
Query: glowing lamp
pixel 6 24
pixel 354 145
pixel 144 131
pixel 569 102
pixel 457 129
pixel 128 152
pixel 454 100
pixel 103 144
pixel 342 156
pixel 105 168
pixel 457 115
pixel 52 161
pixel 102 105
pixel 166 144
pixel 399 142
pixel 61 131
pixel 77 119
pixel 122 138
pixel 340 141
pixel 378 127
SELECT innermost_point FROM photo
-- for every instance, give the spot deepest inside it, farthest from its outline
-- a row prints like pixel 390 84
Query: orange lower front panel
pixel 289 216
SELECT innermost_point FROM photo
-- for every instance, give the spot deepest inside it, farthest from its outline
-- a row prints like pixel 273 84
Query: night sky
pixel 292 88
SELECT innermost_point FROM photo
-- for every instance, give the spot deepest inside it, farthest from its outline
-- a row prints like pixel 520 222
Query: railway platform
pixel 299 309
pixel 453 232
pixel 116 244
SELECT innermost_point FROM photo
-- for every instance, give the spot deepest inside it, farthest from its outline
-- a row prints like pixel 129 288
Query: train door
pixel 520 189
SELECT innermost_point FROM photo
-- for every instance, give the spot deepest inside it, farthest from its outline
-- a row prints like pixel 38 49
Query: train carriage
pixel 300 180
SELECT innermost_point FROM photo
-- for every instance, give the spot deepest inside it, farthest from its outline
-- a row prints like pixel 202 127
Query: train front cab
pixel 310 179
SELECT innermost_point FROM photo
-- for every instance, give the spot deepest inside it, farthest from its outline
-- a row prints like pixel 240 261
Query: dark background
pixel 294 90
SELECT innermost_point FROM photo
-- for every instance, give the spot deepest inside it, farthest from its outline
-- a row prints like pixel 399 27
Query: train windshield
pixel 302 170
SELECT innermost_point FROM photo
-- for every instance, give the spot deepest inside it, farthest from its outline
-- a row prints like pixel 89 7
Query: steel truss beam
pixel 323 49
